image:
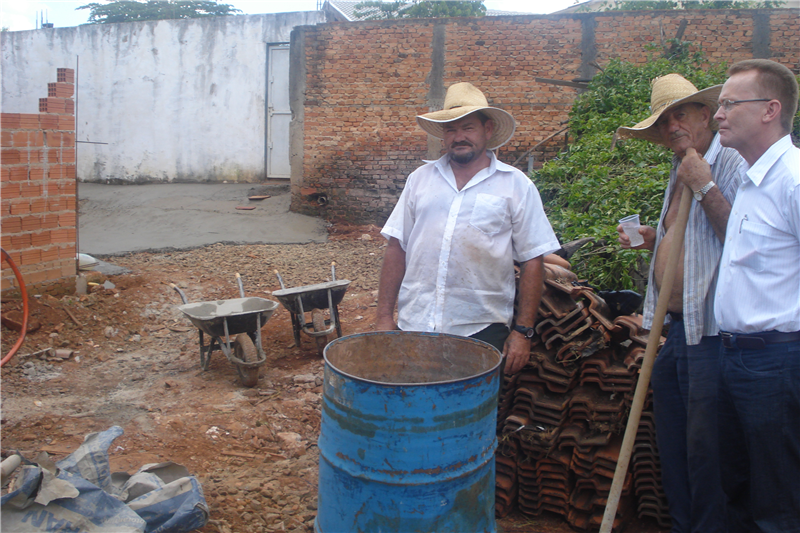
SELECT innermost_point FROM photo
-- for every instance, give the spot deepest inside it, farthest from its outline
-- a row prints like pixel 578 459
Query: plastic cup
pixel 630 225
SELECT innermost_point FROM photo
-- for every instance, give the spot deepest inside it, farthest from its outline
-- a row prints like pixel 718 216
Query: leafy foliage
pixel 634 5
pixel 590 186
pixel 377 10
pixel 136 11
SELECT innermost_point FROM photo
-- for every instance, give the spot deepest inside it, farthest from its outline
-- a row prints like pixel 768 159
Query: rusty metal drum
pixel 408 435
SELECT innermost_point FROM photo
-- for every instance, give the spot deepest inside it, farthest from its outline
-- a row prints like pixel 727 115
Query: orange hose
pixel 25 310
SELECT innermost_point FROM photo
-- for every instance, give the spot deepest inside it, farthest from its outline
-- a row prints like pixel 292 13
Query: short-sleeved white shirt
pixel 461 245
pixel 759 277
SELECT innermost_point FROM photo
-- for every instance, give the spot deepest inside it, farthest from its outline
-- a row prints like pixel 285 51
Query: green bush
pixel 590 186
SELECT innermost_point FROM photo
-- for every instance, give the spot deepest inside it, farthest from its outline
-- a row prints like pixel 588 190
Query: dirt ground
pixel 135 363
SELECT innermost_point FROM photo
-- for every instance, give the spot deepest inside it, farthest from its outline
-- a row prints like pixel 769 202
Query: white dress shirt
pixel 460 245
pixel 702 248
pixel 759 280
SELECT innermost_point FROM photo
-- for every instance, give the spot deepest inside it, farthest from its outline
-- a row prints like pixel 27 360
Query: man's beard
pixel 461 157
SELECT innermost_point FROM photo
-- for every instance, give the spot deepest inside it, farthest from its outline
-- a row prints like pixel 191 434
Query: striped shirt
pixel 759 280
pixel 702 248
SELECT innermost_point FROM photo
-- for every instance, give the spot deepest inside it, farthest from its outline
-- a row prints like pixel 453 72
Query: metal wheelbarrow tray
pixel 240 318
pixel 314 298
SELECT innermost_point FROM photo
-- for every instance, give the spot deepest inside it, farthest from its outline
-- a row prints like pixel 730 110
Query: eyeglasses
pixel 727 105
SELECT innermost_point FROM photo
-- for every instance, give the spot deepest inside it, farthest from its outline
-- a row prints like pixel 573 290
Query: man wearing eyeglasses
pixel 686 370
pixel 758 302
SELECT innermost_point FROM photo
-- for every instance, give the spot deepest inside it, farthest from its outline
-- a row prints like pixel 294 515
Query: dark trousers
pixel 494 334
pixel 759 421
pixel 685 380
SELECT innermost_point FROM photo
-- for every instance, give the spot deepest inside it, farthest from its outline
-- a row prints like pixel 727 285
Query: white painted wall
pixel 176 100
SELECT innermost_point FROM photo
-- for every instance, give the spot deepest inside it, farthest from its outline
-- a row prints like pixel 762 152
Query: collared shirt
pixel 759 281
pixel 702 248
pixel 461 245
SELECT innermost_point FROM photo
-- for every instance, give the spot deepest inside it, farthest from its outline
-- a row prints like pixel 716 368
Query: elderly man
pixel 457 229
pixel 758 302
pixel 684 377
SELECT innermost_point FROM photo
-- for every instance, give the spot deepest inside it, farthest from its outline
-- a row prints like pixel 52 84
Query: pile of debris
pixel 562 418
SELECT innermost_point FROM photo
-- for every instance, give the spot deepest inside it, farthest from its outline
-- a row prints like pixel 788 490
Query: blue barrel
pixel 408 434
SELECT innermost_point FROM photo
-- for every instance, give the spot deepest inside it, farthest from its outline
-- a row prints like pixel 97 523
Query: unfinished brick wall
pixel 37 167
pixel 364 83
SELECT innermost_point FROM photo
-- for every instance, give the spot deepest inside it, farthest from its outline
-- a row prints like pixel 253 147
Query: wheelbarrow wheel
pixel 318 321
pixel 245 351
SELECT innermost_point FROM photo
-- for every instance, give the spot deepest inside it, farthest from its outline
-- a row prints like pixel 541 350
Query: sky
pixel 18 15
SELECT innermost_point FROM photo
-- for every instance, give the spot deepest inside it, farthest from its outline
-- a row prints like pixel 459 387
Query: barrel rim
pixel 421 333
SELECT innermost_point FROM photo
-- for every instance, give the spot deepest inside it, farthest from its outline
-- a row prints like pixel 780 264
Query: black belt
pixel 676 317
pixel 757 341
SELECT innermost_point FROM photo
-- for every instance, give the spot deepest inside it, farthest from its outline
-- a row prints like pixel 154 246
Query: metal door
pixel 279 115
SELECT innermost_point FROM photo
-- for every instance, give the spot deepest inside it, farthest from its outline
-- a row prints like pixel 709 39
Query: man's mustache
pixel 462 143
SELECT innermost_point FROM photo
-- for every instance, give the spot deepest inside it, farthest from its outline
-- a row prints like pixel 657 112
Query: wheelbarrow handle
pixel 239 282
pixel 183 296
pixel 280 279
pixel 333 271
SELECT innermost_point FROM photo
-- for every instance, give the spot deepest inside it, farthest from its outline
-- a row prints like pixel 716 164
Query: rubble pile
pixel 562 418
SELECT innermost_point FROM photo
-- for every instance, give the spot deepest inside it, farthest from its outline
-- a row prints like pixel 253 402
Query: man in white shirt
pixel 758 303
pixel 686 371
pixel 457 229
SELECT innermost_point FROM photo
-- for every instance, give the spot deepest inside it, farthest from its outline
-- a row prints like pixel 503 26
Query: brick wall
pixel 37 167
pixel 363 83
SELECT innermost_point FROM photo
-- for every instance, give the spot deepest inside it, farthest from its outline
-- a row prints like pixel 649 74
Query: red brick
pixel 56 204
pixel 30 191
pixel 11 156
pixel 49 122
pixel 9 120
pixel 60 89
pixel 36 173
pixel 43 238
pixel 38 205
pixel 11 225
pixel 22 240
pixel 22 207
pixel 37 276
pixel 66 122
pixel 65 75
pixel 50 221
pixel 52 105
pixel 31 223
pixel 69 270
pixel 28 121
pixel 6 139
pixel 61 236
pixel 11 190
pixel 31 257
pixel 66 220
pixel 5 240
pixel 67 155
pixel 51 253
pixel 61 172
pixel 67 252
pixel 18 174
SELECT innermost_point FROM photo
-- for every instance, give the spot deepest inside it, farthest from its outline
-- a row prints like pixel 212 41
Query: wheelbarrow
pixel 240 318
pixel 314 299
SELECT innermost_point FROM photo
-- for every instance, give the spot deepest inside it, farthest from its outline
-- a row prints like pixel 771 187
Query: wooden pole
pixel 647 363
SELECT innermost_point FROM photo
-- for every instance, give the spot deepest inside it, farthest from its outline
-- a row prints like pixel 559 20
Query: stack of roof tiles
pixel 561 419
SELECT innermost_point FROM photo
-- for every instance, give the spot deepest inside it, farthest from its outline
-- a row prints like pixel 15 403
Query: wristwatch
pixel 528 332
pixel 699 195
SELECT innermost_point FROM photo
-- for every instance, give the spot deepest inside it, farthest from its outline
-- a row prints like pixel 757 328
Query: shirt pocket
pixel 489 214
pixel 747 251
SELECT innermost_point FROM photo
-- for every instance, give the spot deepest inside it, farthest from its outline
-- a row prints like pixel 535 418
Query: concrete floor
pixel 117 219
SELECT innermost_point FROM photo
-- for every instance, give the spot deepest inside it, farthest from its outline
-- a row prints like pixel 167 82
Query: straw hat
pixel 461 100
pixel 667 92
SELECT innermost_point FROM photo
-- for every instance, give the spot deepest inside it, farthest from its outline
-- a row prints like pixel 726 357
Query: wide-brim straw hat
pixel 462 99
pixel 667 92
